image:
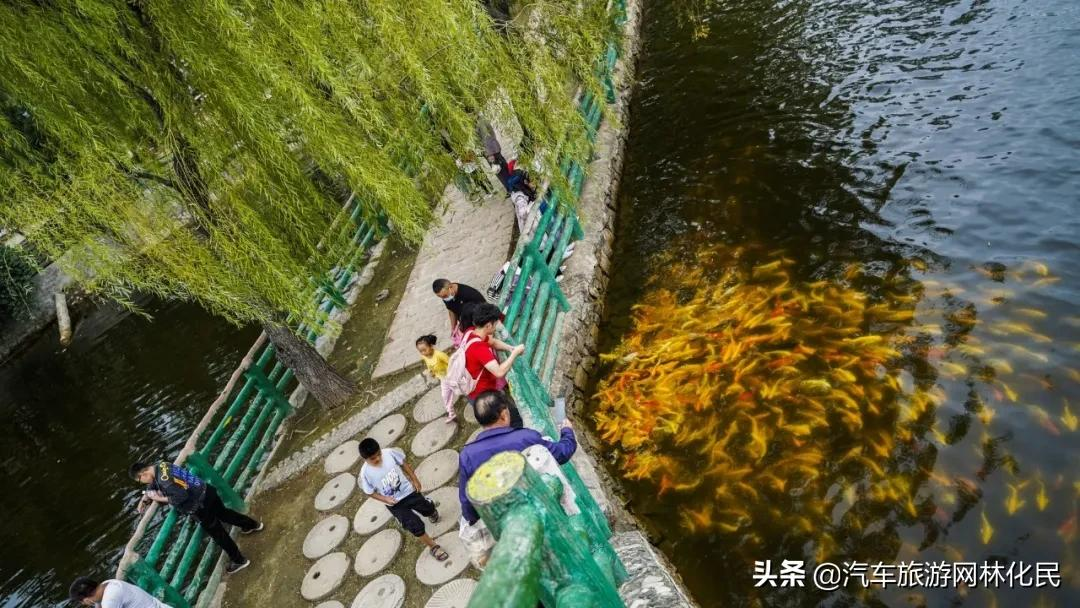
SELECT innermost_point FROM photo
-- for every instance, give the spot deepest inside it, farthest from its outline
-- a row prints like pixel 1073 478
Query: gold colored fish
pixel 1068 418
pixel 986 531
pixel 1032 313
pixel 1013 503
pixel 1041 499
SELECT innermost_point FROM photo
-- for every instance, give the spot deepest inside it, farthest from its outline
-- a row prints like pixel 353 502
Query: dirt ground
pixel 358 348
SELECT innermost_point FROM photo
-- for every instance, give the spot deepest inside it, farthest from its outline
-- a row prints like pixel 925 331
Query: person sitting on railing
pixel 455 296
pixel 387 478
pixel 498 436
pixel 181 489
pixel 111 594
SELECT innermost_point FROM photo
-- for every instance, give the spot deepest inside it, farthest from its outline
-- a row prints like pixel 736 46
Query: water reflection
pixel 125 389
pixel 912 152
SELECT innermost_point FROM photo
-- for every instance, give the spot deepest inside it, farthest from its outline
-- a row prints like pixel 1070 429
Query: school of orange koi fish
pixel 746 395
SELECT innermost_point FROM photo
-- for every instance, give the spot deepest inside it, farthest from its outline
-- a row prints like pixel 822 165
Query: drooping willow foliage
pixel 200 150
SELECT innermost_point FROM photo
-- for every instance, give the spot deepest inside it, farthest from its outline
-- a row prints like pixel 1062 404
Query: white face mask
pixel 448 299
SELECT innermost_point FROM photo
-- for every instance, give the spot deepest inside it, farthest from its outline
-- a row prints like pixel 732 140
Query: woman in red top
pixel 480 359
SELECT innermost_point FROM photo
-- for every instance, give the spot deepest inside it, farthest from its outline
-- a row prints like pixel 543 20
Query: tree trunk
pixel 325 383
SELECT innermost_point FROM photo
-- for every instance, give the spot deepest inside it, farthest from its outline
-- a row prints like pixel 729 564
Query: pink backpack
pixel 458 377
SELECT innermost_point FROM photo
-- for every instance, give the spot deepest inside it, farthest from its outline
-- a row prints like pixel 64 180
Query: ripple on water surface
pixel 921 154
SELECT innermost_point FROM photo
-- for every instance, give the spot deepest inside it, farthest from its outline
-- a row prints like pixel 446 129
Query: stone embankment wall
pixel 585 282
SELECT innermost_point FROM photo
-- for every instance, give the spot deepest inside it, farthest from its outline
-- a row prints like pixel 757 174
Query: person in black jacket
pixel 181 489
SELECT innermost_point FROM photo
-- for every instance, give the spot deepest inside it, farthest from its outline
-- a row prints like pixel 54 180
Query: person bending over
pixel 179 488
pixel 111 594
pixel 492 412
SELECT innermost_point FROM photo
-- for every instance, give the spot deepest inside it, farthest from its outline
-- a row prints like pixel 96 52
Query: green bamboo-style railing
pixel 543 554
pixel 229 447
pixel 558 559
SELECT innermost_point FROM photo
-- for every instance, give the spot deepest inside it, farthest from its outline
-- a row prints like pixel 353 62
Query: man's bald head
pixel 489 408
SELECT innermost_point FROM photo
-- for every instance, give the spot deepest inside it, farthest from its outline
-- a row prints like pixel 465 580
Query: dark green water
pixel 937 139
pixel 75 419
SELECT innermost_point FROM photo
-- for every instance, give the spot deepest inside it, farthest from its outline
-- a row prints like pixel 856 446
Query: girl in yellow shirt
pixel 437 362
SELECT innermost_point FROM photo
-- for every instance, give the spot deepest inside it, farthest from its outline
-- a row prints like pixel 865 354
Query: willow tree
pixel 199 150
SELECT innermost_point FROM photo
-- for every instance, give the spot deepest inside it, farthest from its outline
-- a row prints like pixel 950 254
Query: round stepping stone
pixel 371 516
pixel 335 492
pixel 449 505
pixel 343 458
pixel 470 415
pixel 429 407
pixel 474 435
pixel 377 552
pixel 325 536
pixel 387 430
pixel 437 469
pixel 332 604
pixel 454 594
pixel 431 571
pixel 387 591
pixel 433 437
pixel 325 576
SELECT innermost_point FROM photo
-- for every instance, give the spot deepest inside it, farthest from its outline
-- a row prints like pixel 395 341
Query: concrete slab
pixel 437 469
pixel 449 506
pixel 335 492
pixel 433 437
pixel 377 552
pixel 429 407
pixel 433 572
pixel 343 458
pixel 450 250
pixel 371 516
pixel 325 536
pixel 324 576
pixel 387 430
pixel 454 594
pixel 335 604
pixel 470 415
pixel 387 591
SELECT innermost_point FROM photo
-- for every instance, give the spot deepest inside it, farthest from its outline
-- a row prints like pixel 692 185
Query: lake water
pixel 920 162
pixel 75 419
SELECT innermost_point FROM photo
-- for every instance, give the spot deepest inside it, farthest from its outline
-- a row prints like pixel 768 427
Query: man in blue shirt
pixel 492 413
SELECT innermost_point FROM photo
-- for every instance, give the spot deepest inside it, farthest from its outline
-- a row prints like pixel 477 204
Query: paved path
pixel 450 250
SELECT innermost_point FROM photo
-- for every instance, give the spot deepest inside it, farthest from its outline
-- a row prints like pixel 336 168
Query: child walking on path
pixel 437 362
pixel 387 478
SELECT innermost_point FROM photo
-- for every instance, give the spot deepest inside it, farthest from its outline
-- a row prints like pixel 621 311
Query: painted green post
pixel 512 577
pixel 199 465
pixel 157 585
pixel 154 553
pixel 506 490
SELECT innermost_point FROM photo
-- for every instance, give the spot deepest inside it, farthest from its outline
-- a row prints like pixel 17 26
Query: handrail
pixel 544 553
pixel 187 450
pixel 233 454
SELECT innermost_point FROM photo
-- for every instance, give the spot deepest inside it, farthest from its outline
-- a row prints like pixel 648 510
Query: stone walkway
pixel 450 250
pixel 393 568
